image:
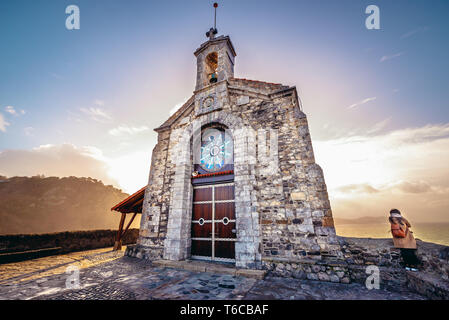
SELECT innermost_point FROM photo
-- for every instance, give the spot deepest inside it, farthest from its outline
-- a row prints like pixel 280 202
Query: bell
pixel 213 78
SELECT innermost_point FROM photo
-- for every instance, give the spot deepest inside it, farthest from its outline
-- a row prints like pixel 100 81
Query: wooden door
pixel 213 222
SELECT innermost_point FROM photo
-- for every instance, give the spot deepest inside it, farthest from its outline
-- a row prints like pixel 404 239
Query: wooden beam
pixel 131 221
pixel 123 203
pixel 132 208
pixel 118 240
pixel 138 203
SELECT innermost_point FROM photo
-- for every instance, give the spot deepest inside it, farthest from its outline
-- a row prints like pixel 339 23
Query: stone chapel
pixel 233 176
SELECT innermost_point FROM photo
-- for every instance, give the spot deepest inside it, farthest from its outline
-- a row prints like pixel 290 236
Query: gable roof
pixel 270 87
pixel 215 40
pixel 256 84
pixel 176 115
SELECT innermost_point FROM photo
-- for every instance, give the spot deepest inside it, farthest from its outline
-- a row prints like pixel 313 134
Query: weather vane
pixel 213 31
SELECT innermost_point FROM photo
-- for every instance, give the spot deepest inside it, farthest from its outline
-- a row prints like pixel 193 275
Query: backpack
pixel 397 231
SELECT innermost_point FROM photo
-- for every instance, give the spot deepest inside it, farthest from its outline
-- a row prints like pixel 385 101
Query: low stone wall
pixel 66 241
pixel 429 285
pixel 382 253
pixel 431 280
pixel 333 271
pixel 308 269
pixel 358 254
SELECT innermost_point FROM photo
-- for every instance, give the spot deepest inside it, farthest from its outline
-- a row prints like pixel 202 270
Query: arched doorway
pixel 213 229
pixel 178 242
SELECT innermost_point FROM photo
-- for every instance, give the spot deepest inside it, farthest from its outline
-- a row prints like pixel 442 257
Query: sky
pixel 85 102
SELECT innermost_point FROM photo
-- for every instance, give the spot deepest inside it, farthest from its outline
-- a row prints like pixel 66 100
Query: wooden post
pixel 131 221
pixel 118 239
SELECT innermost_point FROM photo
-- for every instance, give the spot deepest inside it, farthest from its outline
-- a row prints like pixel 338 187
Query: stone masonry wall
pixel 432 279
pixel 309 269
pixel 295 216
pixel 382 253
pixel 153 224
pixel 289 199
pixel 359 253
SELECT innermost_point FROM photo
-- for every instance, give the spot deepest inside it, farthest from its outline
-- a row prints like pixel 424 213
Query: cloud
pixel 415 187
pixel 10 110
pixel 28 131
pixel 415 136
pixel 406 168
pixel 405 187
pixel 99 102
pixel 3 123
pixel 357 188
pixel 385 58
pixel 128 171
pixel 418 200
pixel 379 126
pixel 56 160
pixel 97 114
pixel 124 129
pixel 13 111
pixel 352 106
pixel 414 31
pixel 74 116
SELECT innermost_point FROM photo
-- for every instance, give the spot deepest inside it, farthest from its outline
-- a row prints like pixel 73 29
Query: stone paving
pixel 108 275
pixel 38 268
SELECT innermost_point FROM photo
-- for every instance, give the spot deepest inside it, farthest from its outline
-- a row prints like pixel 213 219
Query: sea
pixel 430 232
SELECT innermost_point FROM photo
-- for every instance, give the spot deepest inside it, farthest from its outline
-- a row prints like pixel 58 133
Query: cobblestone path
pixel 38 268
pixel 108 275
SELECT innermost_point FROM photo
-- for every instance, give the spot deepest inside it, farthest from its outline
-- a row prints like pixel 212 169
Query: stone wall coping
pixel 210 86
pixel 305 261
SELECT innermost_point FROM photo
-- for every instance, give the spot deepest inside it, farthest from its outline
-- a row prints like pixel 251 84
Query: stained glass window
pixel 216 149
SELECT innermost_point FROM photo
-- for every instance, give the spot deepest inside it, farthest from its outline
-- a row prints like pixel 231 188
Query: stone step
pixel 202 266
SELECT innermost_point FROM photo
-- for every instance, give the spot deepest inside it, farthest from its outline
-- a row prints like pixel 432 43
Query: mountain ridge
pixel 39 204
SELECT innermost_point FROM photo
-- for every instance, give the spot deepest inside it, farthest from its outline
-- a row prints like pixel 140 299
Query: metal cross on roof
pixel 213 31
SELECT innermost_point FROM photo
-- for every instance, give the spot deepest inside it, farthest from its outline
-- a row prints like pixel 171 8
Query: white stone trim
pixel 210 259
pixel 216 239
pixel 210 202
pixel 178 241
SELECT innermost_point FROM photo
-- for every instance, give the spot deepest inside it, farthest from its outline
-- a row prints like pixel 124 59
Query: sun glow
pixel 131 171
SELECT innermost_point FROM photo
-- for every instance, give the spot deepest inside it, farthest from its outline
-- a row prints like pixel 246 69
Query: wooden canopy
pixel 132 204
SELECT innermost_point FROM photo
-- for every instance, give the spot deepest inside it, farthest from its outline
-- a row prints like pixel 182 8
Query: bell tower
pixel 215 58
